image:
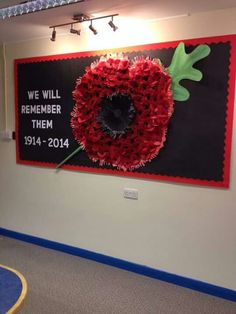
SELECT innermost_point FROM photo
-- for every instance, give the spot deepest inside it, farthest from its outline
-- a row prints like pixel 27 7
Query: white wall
pixel 2 114
pixel 185 230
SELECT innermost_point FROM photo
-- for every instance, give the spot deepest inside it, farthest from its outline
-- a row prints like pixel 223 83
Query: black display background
pixel 194 147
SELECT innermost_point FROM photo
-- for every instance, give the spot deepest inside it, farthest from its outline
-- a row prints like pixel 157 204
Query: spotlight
pixel 54 33
pixel 93 29
pixel 113 26
pixel 74 31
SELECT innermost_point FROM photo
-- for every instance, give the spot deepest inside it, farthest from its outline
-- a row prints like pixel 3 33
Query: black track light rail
pixel 83 20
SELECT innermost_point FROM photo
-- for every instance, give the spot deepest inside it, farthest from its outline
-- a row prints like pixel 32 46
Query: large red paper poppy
pixel 148 86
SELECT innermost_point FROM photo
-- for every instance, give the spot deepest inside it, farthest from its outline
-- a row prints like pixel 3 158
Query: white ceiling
pixel 35 25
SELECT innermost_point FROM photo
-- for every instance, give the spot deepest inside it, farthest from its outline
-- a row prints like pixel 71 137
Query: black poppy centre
pixel 116 114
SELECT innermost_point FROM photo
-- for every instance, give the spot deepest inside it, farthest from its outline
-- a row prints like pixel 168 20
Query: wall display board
pixel 160 111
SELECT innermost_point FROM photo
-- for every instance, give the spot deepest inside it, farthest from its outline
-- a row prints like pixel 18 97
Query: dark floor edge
pixel 193 284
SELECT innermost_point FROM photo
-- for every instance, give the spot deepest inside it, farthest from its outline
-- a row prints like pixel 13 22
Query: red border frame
pixel 172 44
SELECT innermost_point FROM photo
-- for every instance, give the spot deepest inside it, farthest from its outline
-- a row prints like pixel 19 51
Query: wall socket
pixel 131 193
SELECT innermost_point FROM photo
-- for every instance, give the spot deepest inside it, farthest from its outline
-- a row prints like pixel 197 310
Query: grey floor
pixel 61 283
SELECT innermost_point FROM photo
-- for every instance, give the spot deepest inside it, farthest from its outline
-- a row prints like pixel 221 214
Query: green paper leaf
pixel 69 157
pixel 181 67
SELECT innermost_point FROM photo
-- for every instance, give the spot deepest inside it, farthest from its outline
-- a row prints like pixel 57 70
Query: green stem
pixel 69 157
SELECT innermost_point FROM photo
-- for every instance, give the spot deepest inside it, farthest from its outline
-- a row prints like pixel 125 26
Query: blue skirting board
pixel 193 284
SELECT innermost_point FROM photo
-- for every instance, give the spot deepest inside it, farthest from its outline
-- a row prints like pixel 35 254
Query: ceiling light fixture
pixel 93 29
pixel 54 33
pixel 113 26
pixel 32 6
pixel 74 31
pixel 80 18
